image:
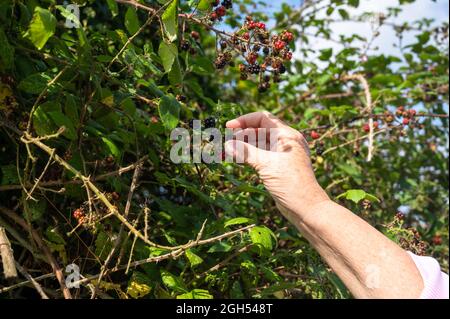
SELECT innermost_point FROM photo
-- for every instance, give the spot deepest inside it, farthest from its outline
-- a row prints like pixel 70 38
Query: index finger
pixel 256 120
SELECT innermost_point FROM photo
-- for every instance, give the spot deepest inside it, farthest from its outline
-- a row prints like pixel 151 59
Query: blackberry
pixel 263 87
pixel 282 69
pixel 254 68
pixel 244 76
pixel 185 46
pixel 266 50
pixel 223 44
pixel 181 98
pixel 220 64
pixel 227 4
pixel 210 122
pixel 320 150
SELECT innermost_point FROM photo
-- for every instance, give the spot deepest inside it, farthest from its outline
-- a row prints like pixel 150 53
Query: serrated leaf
pixel 41 28
pixel 194 259
pixel 172 282
pixel 34 83
pixel 196 294
pixel 169 111
pixel 139 285
pixel 204 5
pixel 168 53
pixel 357 195
pixel 170 21
pixel 237 221
pixel 262 237
pixel 131 21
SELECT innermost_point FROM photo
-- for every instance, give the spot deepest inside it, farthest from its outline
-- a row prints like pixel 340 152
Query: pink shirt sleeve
pixel 435 281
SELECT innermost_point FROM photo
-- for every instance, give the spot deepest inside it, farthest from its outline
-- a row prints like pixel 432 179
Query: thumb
pixel 244 153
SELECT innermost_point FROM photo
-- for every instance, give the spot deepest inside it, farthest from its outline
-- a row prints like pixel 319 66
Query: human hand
pixel 284 164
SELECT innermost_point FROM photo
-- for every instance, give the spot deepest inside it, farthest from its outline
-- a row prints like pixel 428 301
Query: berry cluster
pixel 220 9
pixel 79 215
pixel 210 122
pixel 264 55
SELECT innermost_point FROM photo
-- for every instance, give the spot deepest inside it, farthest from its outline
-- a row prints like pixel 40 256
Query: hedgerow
pixel 86 111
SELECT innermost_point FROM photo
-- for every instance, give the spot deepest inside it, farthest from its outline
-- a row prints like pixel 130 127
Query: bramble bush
pixel 86 110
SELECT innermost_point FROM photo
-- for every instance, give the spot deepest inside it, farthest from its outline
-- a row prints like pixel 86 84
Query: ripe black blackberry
pixel 282 69
pixel 266 50
pixel 210 122
pixel 254 68
pixel 220 64
pixel 227 4
pixel 263 87
pixel 320 150
pixel 185 45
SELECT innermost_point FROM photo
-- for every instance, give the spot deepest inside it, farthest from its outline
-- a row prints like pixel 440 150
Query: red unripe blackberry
pixel 315 135
pixel 246 36
pixel 280 45
pixel 261 25
pixel 213 16
pixel 412 113
pixel 252 25
pixel 221 11
pixel 406 121
pixel 195 35
pixel 252 57
pixel 366 128
pixel 437 240
pixel 288 56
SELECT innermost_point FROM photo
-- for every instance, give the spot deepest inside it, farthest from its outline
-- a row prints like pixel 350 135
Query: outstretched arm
pixel 369 264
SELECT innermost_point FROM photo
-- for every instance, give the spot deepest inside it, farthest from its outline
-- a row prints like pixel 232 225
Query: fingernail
pixel 233 124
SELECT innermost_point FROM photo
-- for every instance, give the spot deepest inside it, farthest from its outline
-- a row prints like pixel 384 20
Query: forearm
pixel 369 264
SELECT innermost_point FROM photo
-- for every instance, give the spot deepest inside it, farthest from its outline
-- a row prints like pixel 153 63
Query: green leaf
pixel 113 7
pixel 262 237
pixel 196 294
pixel 34 83
pixel 204 5
pixel 113 149
pixel 8 175
pixel 131 21
pixel 194 259
pixel 168 53
pixel 61 120
pixel 169 111
pixel 139 285
pixel 41 28
pixel 170 21
pixel 357 195
pixel 172 282
pixel 6 52
pixel 237 221
pixel 220 248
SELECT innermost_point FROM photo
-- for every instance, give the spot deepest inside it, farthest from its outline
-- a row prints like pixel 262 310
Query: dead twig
pixel 6 252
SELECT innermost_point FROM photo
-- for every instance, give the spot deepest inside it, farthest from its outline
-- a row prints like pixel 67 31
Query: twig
pixel 36 285
pixel 98 178
pixel 7 255
pixel 172 254
pixel 26 282
pixel 51 260
pixel 368 109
